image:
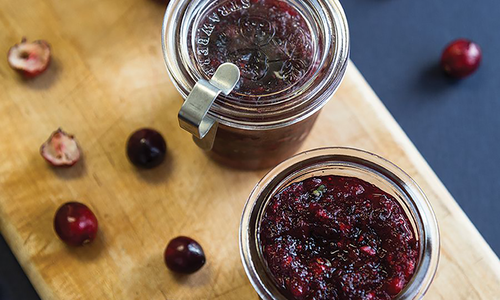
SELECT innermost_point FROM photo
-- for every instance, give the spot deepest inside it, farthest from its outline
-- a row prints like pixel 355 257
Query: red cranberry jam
pixel 338 237
pixel 268 40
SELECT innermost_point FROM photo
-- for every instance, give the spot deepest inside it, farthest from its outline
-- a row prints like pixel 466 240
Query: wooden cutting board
pixel 108 79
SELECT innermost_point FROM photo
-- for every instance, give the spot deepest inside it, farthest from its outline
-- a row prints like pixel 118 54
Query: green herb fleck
pixel 319 191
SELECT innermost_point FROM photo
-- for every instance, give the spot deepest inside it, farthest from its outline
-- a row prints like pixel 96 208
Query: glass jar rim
pixel 297 106
pixel 428 234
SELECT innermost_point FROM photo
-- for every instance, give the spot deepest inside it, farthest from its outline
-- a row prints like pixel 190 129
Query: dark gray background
pixel 396 44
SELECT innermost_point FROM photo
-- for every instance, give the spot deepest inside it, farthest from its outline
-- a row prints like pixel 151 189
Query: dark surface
pixel 397 44
pixel 14 285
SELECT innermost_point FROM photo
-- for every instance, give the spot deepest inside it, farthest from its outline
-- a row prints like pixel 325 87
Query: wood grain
pixel 108 79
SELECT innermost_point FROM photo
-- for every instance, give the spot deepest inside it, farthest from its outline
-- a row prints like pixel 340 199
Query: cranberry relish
pixel 268 40
pixel 338 237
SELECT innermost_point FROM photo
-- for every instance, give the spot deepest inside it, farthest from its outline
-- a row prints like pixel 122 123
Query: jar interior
pixel 273 43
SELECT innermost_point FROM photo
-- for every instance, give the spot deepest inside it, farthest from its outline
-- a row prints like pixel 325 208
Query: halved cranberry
pixel 184 255
pixel 29 58
pixel 75 224
pixel 146 148
pixel 61 149
pixel 461 58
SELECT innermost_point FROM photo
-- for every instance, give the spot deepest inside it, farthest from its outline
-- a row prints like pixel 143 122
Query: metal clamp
pixel 193 114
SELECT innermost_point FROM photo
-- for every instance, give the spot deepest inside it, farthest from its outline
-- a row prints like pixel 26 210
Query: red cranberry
pixel 146 148
pixel 184 255
pixel 461 58
pixel 75 224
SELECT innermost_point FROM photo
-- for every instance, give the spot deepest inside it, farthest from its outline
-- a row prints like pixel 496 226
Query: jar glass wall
pixel 292 56
pixel 344 162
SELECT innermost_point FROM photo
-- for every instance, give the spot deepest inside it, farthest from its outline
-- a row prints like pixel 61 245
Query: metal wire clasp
pixel 193 114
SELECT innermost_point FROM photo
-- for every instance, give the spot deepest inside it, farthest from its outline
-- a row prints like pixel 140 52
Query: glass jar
pixel 291 54
pixel 345 162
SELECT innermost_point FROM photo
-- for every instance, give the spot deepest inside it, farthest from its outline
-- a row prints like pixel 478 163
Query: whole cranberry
pixel 75 224
pixel 146 148
pixel 461 58
pixel 184 255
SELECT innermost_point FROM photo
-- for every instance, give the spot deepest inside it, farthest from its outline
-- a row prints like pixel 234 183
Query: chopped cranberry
pixel 359 244
pixel 184 255
pixel 75 224
pixel 368 250
pixel 461 58
pixel 298 288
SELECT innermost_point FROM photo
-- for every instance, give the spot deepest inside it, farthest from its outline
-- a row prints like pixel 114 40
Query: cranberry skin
pixel 461 58
pixel 146 148
pixel 395 286
pixel 75 224
pixel 184 255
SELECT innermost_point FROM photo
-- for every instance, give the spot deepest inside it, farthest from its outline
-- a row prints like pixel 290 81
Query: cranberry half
pixel 61 149
pixel 29 58
pixel 461 58
pixel 75 224
pixel 146 148
pixel 184 255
